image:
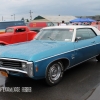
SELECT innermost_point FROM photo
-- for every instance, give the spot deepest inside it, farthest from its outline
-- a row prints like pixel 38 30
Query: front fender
pixel 43 64
pixel 2 42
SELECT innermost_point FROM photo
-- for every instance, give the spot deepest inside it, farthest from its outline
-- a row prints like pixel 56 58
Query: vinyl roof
pixel 74 27
pixel 69 26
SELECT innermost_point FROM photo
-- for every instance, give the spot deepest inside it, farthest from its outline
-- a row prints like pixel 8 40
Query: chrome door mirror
pixel 77 39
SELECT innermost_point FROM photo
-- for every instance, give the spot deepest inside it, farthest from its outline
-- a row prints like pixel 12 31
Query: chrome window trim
pixel 74 35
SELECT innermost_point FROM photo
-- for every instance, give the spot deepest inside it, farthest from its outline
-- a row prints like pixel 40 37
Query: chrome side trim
pixel 81 62
pixel 54 55
pixel 65 52
pixel 87 46
pixel 15 70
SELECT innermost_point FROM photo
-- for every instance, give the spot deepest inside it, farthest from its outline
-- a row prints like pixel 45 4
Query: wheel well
pixel 2 44
pixel 65 63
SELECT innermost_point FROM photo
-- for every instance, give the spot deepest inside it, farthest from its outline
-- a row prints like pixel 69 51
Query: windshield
pixel 11 30
pixel 55 34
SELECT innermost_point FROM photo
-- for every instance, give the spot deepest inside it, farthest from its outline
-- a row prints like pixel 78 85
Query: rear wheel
pixel 54 73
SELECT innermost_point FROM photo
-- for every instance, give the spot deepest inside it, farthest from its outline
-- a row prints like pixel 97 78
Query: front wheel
pixel 2 44
pixel 54 73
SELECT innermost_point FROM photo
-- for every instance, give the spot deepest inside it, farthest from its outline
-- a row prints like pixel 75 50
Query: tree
pixel 27 20
pixel 22 19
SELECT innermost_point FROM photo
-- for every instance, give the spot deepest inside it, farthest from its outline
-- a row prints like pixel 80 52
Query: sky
pixel 21 8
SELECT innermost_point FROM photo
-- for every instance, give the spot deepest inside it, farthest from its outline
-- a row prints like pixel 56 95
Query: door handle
pixel 73 56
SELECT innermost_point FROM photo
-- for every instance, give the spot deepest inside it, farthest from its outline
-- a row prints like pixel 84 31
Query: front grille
pixel 10 63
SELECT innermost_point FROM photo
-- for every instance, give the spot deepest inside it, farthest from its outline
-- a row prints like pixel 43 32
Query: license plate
pixel 3 73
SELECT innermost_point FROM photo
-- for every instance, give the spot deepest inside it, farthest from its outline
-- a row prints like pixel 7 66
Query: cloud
pixel 21 8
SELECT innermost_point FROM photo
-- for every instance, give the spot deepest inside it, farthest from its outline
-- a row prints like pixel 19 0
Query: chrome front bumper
pixel 28 70
pixel 14 70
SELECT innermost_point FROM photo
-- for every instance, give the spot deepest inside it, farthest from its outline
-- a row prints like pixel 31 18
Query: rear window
pixel 20 30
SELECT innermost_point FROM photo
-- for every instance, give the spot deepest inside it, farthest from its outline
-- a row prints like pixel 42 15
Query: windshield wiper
pixel 51 38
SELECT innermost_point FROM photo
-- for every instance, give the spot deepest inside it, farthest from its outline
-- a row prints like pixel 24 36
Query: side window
pixel 20 30
pixel 92 33
pixel 83 33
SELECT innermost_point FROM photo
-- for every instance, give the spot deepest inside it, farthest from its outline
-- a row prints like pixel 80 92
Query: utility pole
pixel 2 18
pixel 30 14
pixel 14 16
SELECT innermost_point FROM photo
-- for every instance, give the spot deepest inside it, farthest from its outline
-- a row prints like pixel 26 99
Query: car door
pixel 20 35
pixel 85 48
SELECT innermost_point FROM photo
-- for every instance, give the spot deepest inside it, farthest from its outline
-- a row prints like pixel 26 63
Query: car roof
pixel 73 27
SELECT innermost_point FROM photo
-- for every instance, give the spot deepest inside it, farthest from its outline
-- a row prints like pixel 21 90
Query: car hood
pixel 5 34
pixel 33 50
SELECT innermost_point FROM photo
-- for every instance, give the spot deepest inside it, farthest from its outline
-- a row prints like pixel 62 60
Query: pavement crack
pixel 15 96
pixel 90 93
pixel 84 78
pixel 10 96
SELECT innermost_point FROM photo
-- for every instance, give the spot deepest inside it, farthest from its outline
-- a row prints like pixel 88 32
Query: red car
pixel 16 34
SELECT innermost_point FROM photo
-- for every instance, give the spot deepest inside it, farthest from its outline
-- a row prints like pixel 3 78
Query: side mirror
pixel 77 39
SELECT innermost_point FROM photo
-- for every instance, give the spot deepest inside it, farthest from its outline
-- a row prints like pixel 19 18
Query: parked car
pixel 5 24
pixel 16 34
pixel 53 51
pixel 36 26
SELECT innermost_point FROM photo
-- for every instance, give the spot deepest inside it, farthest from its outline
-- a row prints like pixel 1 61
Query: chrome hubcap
pixel 55 72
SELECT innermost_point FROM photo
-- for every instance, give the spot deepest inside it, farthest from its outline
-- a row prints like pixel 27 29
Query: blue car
pixel 53 51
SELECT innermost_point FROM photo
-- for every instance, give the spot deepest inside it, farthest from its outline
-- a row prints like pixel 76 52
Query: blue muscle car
pixel 53 51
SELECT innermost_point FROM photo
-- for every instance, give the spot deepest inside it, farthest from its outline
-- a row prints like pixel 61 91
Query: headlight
pixel 24 65
pixel 30 69
pixel 28 66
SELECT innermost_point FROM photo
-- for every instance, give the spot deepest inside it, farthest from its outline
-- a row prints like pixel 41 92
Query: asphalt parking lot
pixel 75 84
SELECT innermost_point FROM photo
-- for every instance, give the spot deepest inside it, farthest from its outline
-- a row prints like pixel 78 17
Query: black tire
pixel 2 44
pixel 98 58
pixel 54 73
